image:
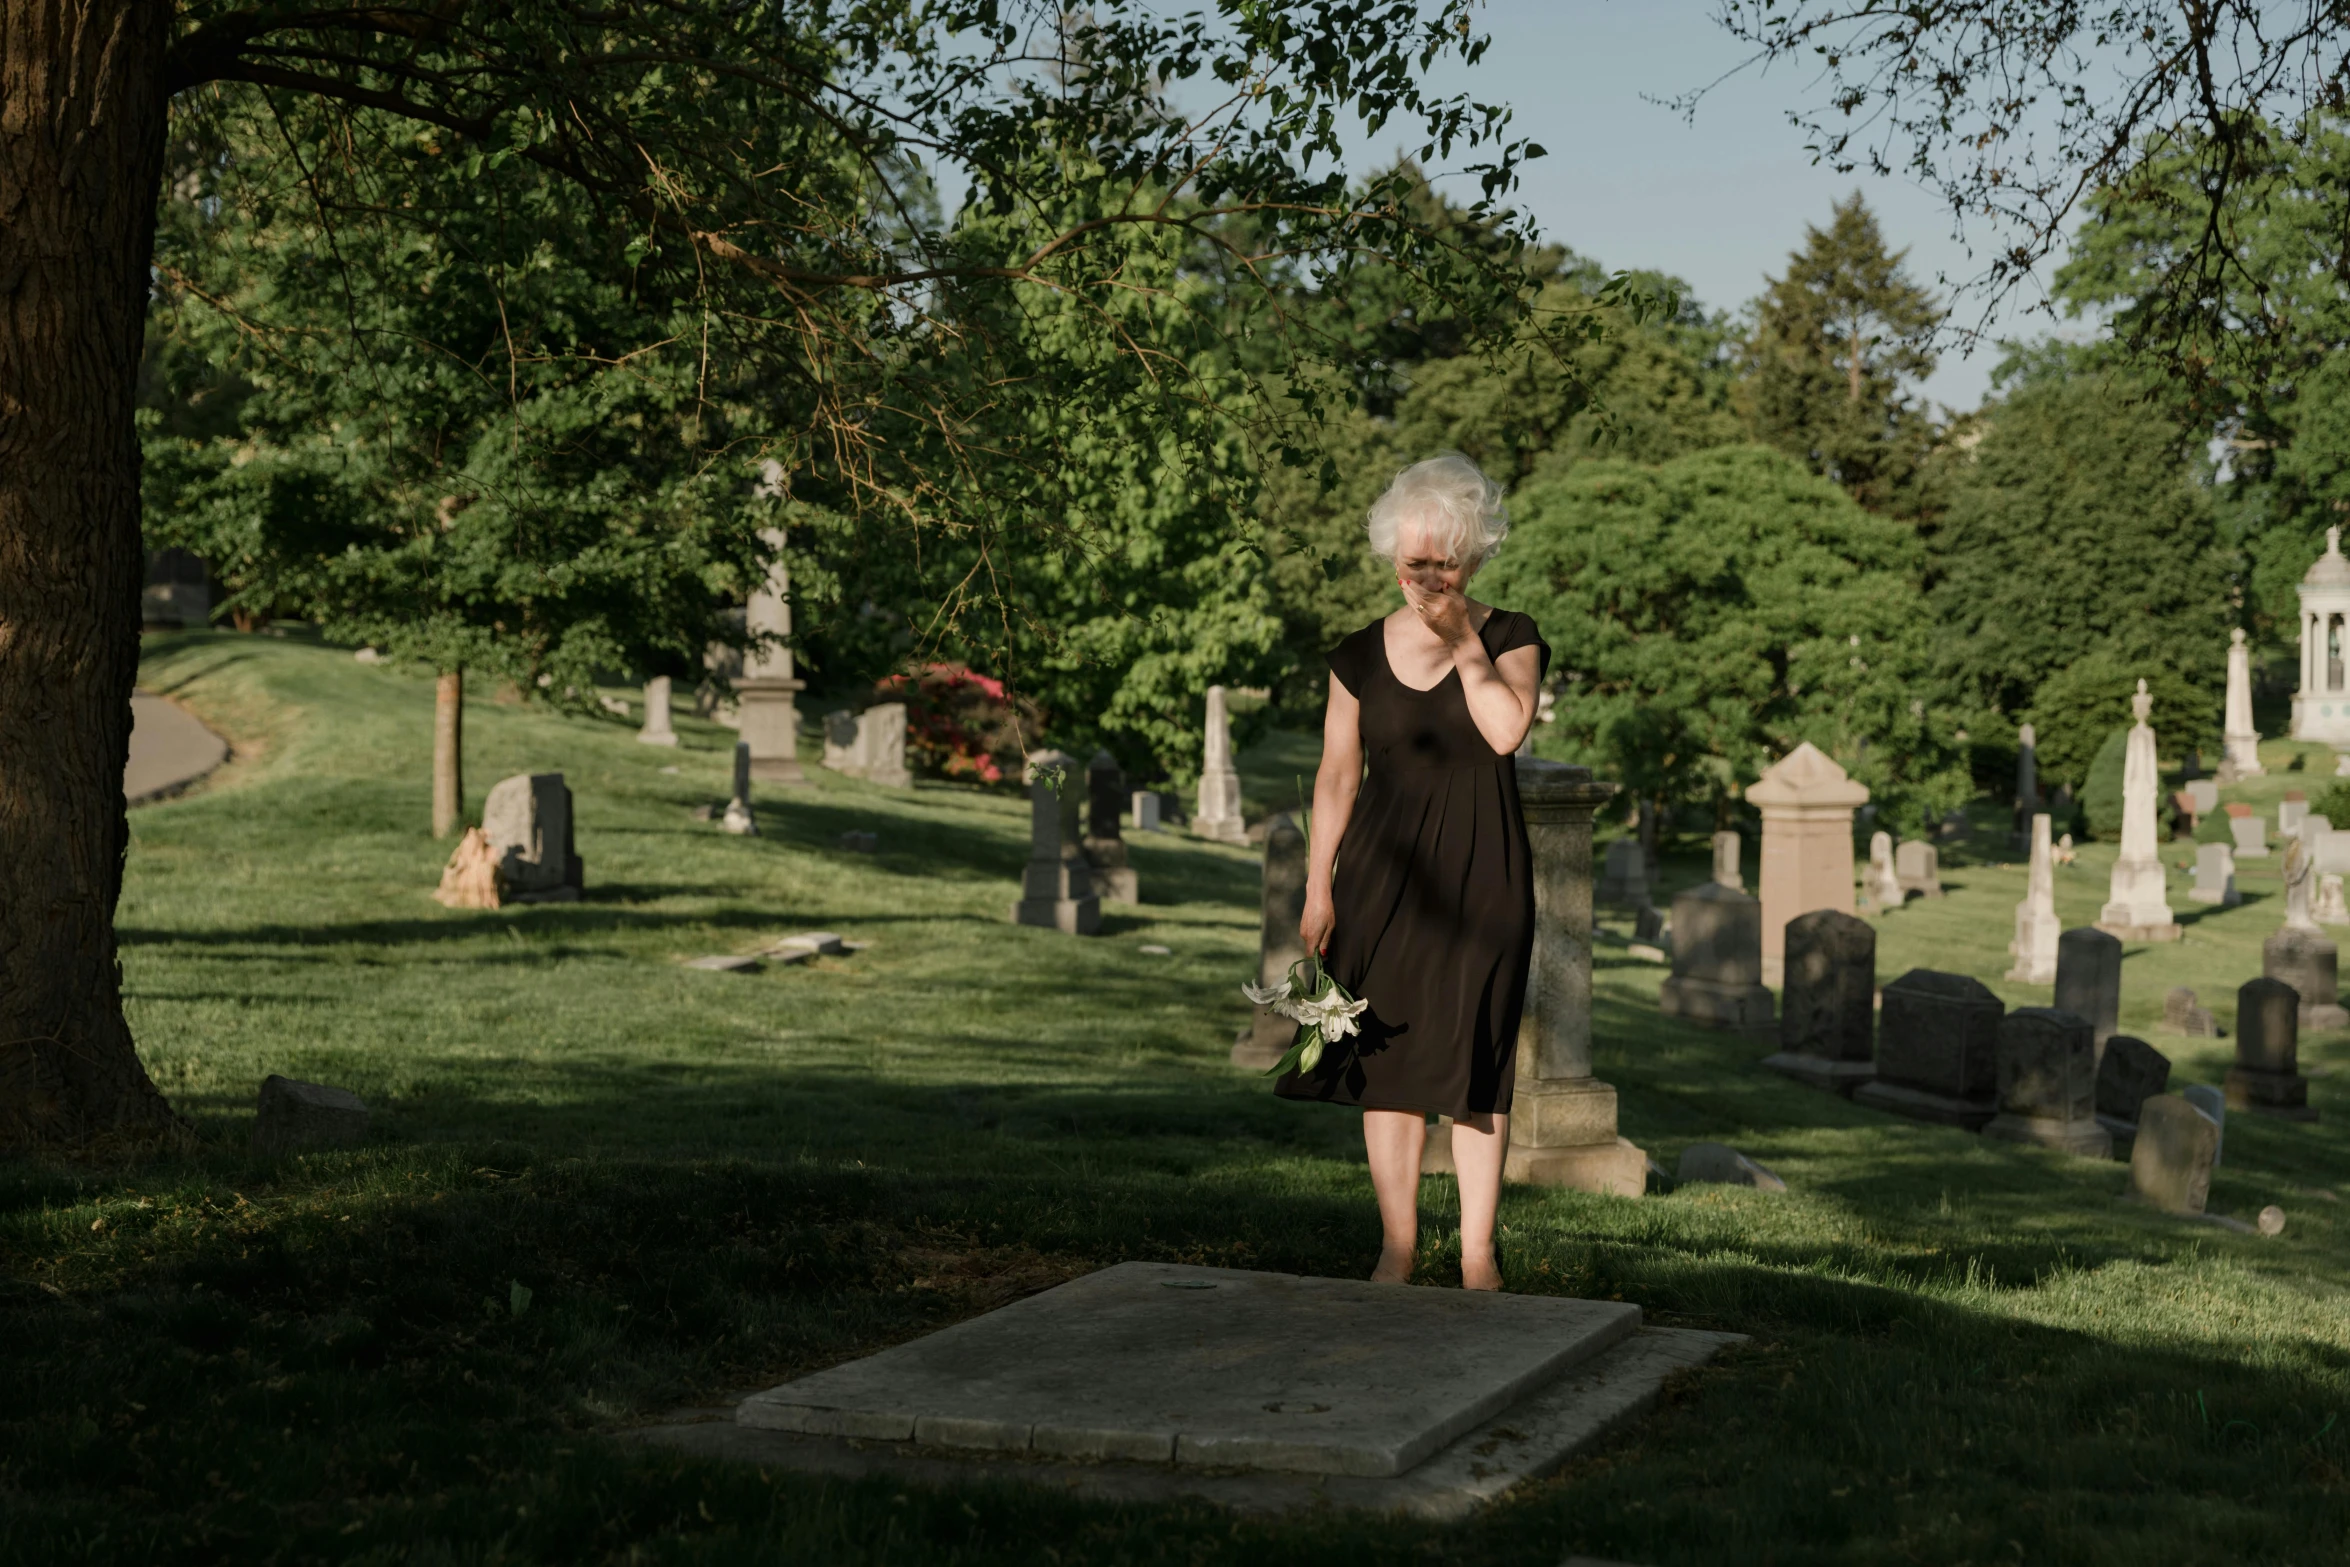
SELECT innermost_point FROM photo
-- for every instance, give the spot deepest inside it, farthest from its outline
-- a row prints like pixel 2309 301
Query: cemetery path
pixel 170 748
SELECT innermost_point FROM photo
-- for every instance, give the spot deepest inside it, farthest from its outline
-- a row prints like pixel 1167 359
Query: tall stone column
pixel 2137 906
pixel 1563 1120
pixel 1807 803
pixel 767 694
pixel 2241 739
pixel 1218 816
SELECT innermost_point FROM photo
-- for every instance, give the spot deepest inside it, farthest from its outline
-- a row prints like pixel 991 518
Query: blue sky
pixel 1720 202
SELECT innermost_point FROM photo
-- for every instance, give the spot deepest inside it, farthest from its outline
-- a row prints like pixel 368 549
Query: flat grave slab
pixel 1168 1363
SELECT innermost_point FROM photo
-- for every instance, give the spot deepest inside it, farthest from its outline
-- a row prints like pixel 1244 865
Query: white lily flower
pixel 1267 995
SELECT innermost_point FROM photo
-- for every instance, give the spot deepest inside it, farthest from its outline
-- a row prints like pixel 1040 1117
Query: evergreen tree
pixel 1837 344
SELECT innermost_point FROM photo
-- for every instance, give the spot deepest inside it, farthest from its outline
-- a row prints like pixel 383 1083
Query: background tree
pixel 1837 345
pixel 768 164
pixel 1710 613
pixel 2082 528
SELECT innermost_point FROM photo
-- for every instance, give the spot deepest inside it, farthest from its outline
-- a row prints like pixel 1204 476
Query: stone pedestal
pixel 1279 945
pixel 1937 1050
pixel 1807 803
pixel 1563 1120
pixel 2035 944
pixel 1056 889
pixel 657 728
pixel 766 697
pixel 2047 1065
pixel 1827 1008
pixel 1717 961
pixel 2241 739
pixel 1917 865
pixel 2267 1074
pixel 2137 906
pixel 1105 845
pixel 1218 816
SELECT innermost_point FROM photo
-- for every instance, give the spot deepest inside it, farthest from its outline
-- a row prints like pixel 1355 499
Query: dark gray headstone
pixel 2172 1156
pixel 2129 1072
pixel 2089 979
pixel 1649 925
pixel 1105 791
pixel 2047 1065
pixel 294 1115
pixel 1717 961
pixel 2267 1074
pixel 1940 1032
pixel 1827 1003
pixel 1279 945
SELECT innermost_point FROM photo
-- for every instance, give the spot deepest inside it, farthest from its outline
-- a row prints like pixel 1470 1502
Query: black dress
pixel 1434 896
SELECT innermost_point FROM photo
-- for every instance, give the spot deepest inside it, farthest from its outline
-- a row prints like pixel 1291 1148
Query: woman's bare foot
pixel 1480 1273
pixel 1395 1267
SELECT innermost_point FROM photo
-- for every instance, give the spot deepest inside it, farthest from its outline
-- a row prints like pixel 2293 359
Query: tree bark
pixel 82 115
pixel 448 753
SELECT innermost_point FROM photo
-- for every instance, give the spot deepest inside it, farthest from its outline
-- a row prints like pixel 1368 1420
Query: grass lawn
pixel 606 1186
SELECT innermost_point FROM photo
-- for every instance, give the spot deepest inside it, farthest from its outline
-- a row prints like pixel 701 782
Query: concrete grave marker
pixel 1727 848
pixel 766 693
pixel 2213 1102
pixel 1279 944
pixel 2267 1074
pixel 2089 979
pixel 2248 830
pixel 2128 1072
pixel 2205 793
pixel 2290 811
pixel 293 1115
pixel 1807 803
pixel 1719 1164
pixel 527 819
pixel 2137 906
pixel 657 729
pixel 2034 944
pixel 1056 889
pixel 2241 740
pixel 2172 1157
pixel 738 818
pixel 1146 810
pixel 1624 883
pixel 2215 876
pixel 1937 1050
pixel 1105 847
pixel 1218 816
pixel 2301 955
pixel 870 745
pixel 2048 1083
pixel 1880 884
pixel 1827 1011
pixel 1717 961
pixel 2330 907
pixel 2182 1014
pixel 1917 864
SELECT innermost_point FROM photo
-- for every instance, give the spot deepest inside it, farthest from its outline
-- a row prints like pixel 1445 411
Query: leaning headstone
pixel 1056 889
pixel 2089 979
pixel 1105 847
pixel 1279 941
pixel 657 728
pixel 2128 1072
pixel 2137 906
pixel 1623 882
pixel 2172 1157
pixel 1937 1050
pixel 1727 846
pixel 1218 816
pixel 2267 1074
pixel 2034 945
pixel 294 1115
pixel 1918 866
pixel 1807 803
pixel 1146 810
pixel 2214 1104
pixel 738 818
pixel 2048 1083
pixel 2205 793
pixel 528 821
pixel 2215 876
pixel 1719 1164
pixel 1880 884
pixel 2330 907
pixel 1827 1006
pixel 1717 961
pixel 2183 1014
pixel 2248 830
pixel 2290 811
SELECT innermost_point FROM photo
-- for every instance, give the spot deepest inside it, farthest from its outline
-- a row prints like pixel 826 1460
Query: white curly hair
pixel 1448 496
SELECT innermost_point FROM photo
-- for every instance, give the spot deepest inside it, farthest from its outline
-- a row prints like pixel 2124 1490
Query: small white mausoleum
pixel 2321 707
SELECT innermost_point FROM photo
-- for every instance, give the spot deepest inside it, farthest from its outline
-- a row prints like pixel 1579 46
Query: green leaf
pixel 518 1298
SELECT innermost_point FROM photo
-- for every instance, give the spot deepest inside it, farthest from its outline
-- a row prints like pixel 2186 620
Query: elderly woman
pixel 1419 892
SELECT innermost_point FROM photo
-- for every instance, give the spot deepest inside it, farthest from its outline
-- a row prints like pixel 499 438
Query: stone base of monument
pixel 2166 932
pixel 2325 1014
pixel 2086 1138
pixel 1748 1009
pixel 1837 1077
pixel 2281 1094
pixel 1612 1169
pixel 1259 1045
pixel 1263 1392
pixel 1071 916
pixel 1117 884
pixel 1923 1105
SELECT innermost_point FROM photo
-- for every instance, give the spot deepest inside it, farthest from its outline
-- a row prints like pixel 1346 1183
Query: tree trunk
pixel 448 753
pixel 82 109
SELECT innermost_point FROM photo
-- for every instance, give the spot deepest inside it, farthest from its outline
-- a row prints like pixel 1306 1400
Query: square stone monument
pixel 1918 866
pixel 1056 889
pixel 2215 876
pixel 2089 979
pixel 2129 1072
pixel 1827 1007
pixel 2172 1155
pixel 1937 1050
pixel 1727 848
pixel 1146 810
pixel 2183 1013
pixel 2205 792
pixel 1218 816
pixel 1279 944
pixel 527 819
pixel 2048 1083
pixel 1623 884
pixel 2036 935
pixel 2248 830
pixel 870 745
pixel 766 694
pixel 658 727
pixel 1717 961
pixel 1105 846
pixel 2267 1074
pixel 1807 803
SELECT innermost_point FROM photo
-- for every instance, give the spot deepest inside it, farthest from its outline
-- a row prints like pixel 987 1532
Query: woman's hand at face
pixel 1319 918
pixel 1443 610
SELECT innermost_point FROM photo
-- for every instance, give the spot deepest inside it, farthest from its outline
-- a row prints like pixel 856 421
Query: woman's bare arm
pixel 1336 783
pixel 1501 692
